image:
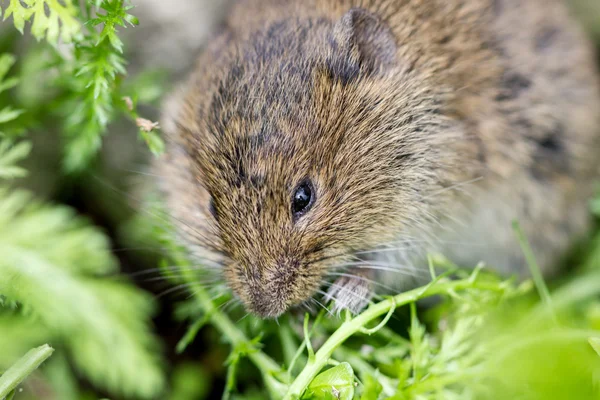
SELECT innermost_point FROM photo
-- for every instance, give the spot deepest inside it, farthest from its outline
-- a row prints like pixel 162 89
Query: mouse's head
pixel 294 148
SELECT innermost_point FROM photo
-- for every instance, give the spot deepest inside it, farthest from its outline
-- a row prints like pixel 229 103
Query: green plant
pixel 22 369
pixel 58 273
pixel 56 286
pixel 484 338
pixel 471 347
pixel 89 89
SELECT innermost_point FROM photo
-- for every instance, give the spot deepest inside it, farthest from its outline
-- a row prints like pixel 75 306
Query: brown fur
pixel 388 107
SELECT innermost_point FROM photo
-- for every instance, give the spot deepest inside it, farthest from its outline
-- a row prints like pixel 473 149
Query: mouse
pixel 319 150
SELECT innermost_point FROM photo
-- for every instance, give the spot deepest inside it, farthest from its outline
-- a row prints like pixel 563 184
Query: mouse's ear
pixel 368 38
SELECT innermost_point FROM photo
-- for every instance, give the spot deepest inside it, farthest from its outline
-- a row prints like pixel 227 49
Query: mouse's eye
pixel 303 199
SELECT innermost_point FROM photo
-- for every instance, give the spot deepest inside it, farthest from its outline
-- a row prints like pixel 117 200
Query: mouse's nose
pixel 268 296
pixel 266 305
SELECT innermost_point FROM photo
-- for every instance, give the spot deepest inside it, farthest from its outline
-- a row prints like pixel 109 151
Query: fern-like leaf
pixel 6 62
pixel 7 113
pixel 51 19
pixel 56 266
pixel 96 86
pixel 9 156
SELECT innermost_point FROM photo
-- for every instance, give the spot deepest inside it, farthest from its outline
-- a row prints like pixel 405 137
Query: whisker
pixel 159 270
pixel 322 305
pixel 192 294
pixel 200 274
pixel 321 292
pixel 150 174
pixel 180 276
pixel 133 171
pixel 307 306
pixel 244 317
pixel 395 268
pixel 165 220
pixel 231 304
pixel 330 297
pixel 217 296
pixel 452 187
pixel 222 306
pixel 160 250
pixel 362 278
pixel 173 289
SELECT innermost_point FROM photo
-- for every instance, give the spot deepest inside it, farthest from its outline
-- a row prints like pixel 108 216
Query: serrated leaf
pixel 336 383
pixel 19 13
pixel 49 19
pixel 11 154
pixel 132 20
pixel 99 64
pixel 115 41
pixel 41 22
pixel 12 172
pixel 55 263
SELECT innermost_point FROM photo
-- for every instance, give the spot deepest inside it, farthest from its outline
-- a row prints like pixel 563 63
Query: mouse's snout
pixel 269 295
pixel 269 291
pixel 264 304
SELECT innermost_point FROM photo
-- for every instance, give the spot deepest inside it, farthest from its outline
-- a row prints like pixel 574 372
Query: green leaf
pixel 116 15
pixel 11 154
pixel 50 19
pixel 6 62
pixel 8 114
pixel 336 383
pixel 56 264
pixel 153 141
pixel 95 88
pixel 23 368
pixel 190 335
pixel 8 84
pixel 371 388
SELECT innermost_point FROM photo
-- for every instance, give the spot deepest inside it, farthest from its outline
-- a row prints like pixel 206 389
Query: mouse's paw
pixel 352 292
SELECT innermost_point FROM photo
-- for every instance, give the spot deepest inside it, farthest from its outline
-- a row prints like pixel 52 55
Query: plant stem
pixel 267 366
pixel 534 268
pixel 23 368
pixel 354 325
pixel 288 344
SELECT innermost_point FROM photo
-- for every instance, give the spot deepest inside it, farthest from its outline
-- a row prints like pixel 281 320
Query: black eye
pixel 303 199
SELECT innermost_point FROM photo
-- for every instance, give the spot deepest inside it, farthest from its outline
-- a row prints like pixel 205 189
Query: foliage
pixel 98 62
pixel 51 18
pixel 58 273
pixel 482 337
pixel 7 113
pixel 487 338
pixel 57 287
pixel 9 155
pixel 87 83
